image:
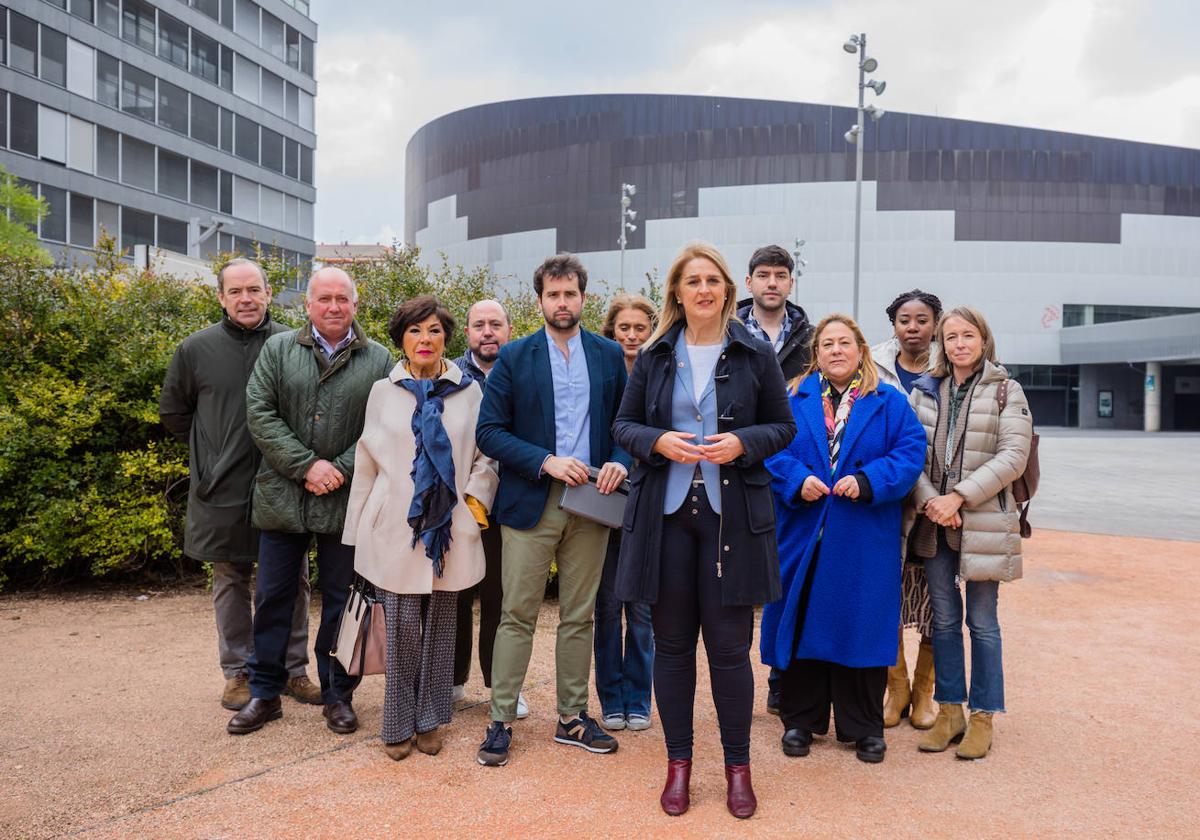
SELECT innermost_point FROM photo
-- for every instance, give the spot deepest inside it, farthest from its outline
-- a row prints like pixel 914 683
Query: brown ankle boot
pixel 978 740
pixel 739 794
pixel 895 706
pixel 676 795
pixel 400 751
pixel 947 728
pixel 924 710
pixel 429 742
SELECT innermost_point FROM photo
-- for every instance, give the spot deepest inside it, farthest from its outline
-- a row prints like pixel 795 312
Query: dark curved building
pixel 1052 234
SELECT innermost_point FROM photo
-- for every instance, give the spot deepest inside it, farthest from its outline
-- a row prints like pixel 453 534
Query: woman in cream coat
pixel 421 489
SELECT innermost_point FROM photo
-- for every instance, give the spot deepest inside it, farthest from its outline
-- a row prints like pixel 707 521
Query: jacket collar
pixel 989 375
pixel 452 372
pixel 234 328
pixel 305 336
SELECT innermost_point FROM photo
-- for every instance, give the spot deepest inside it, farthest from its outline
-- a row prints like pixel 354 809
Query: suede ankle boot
pixel 924 710
pixel 947 728
pixel 676 795
pixel 978 740
pixel 739 794
pixel 895 706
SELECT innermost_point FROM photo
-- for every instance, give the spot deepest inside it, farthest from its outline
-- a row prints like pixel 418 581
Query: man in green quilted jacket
pixel 305 403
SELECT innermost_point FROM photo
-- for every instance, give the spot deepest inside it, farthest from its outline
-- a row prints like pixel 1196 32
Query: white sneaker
pixel 522 707
pixel 458 694
pixel 613 722
pixel 637 722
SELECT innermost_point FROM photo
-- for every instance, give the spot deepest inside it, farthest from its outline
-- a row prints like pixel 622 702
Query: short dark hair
pixel 931 300
pixel 772 256
pixel 560 265
pixel 415 311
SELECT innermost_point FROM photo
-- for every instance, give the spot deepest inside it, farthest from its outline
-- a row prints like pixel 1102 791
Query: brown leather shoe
pixel 303 690
pixel 399 752
pixel 340 717
pixel 429 742
pixel 739 795
pixel 254 716
pixel 237 692
pixel 676 796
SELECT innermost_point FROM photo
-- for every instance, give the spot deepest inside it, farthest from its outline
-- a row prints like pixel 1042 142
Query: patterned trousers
pixel 420 663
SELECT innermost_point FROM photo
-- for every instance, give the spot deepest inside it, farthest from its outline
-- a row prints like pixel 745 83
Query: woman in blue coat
pixel 838 491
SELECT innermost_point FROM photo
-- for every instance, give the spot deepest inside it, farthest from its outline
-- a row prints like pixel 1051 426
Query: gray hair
pixel 331 269
pixel 240 261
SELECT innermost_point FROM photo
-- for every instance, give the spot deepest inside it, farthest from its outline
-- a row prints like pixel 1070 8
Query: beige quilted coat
pixel 996 448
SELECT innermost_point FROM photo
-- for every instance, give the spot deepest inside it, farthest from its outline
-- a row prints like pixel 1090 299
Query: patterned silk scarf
pixel 835 421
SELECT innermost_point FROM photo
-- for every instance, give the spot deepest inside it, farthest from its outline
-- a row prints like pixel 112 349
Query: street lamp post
pixel 858 44
pixel 628 191
pixel 799 262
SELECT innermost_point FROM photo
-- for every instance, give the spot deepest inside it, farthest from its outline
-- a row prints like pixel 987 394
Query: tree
pixel 22 210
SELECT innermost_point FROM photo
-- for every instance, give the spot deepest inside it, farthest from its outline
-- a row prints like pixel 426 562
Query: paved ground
pixel 1127 483
pixel 115 731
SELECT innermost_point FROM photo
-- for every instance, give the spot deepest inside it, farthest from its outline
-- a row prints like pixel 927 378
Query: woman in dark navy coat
pixel 838 488
pixel 705 404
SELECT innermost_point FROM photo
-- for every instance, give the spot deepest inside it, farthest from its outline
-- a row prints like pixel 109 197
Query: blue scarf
pixel 434 491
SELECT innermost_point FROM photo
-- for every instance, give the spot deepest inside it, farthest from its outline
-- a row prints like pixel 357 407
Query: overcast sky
pixel 1115 68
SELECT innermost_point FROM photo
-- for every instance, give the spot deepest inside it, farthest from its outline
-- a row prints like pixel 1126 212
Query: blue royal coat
pixel 854 607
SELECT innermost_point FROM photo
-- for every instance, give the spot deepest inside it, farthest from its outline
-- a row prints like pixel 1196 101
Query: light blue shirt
pixel 572 400
pixel 330 349
pixel 698 415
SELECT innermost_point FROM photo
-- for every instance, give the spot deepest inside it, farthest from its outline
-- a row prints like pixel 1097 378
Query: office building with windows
pixel 184 126
pixel 1083 252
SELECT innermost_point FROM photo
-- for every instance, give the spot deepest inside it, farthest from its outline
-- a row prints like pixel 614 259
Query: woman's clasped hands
pixel 677 446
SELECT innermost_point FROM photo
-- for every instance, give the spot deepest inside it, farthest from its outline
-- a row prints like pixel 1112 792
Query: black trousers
pixel 491 594
pixel 809 687
pixel 689 601
pixel 280 556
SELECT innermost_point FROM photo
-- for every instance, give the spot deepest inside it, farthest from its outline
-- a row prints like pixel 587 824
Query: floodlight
pixel 870 65
pixel 875 112
pixel 877 86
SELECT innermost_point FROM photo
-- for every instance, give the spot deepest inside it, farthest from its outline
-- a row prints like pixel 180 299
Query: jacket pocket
pixel 631 501
pixel 760 507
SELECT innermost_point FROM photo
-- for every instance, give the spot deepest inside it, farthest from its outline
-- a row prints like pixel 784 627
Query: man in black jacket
pixel 770 316
pixel 203 404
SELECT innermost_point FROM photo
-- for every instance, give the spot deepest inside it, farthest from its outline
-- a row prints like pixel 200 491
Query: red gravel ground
pixel 115 731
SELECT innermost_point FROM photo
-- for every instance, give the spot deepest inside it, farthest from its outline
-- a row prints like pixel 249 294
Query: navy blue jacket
pixel 516 420
pixel 752 402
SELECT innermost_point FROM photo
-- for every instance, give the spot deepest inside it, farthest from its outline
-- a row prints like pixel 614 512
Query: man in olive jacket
pixel 305 404
pixel 203 404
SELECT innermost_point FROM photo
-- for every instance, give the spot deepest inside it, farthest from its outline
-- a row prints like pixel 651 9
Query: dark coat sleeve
pixel 177 401
pixel 630 430
pixel 494 432
pixel 775 427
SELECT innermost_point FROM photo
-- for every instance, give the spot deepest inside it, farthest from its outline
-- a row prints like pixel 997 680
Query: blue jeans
pixel 622 680
pixel 987 669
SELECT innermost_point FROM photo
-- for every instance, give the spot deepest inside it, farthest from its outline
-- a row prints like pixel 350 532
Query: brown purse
pixel 361 643
pixel 1027 483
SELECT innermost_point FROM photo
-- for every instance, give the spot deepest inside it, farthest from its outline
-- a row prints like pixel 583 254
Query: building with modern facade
pixel 184 126
pixel 1084 252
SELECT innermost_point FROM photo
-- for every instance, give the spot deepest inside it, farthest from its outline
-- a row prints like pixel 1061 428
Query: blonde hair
pixel 619 304
pixel 943 367
pixel 672 309
pixel 870 374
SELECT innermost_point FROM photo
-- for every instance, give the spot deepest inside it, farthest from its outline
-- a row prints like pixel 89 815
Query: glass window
pixel 273 38
pixel 205 121
pixel 81 69
pixel 226 131
pixel 173 40
pixel 137 163
pixel 108 154
pixel 204 185
pixel 306 219
pixel 291 213
pixel 82 220
pixel 172 107
pixel 172 175
pixel 245 78
pixel 172 235
pixel 137 228
pixel 108 80
pixel 306 111
pixel 54 57
pixel 22 43
pixel 245 199
pixel 226 68
pixel 292 37
pixel 271 207
pixel 82 9
pixel 291 160
pixel 108 220
pixel 272 93
pixel 23 124
pixel 137 23
pixel 306 164
pixel 291 97
pixel 227 13
pixel 212 8
pixel 108 17
pixel 3 35
pixel 272 150
pixel 245 143
pixel 137 92
pixel 54 223
pixel 306 56
pixel 52 134
pixel 82 152
pixel 3 118
pixel 226 197
pixel 206 57
pixel 245 21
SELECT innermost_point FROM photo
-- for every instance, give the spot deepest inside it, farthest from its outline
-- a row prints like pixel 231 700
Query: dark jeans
pixel 622 678
pixel 689 601
pixel 810 687
pixel 491 596
pixel 280 556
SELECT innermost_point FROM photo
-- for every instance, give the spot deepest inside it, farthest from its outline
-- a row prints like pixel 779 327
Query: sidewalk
pixel 115 731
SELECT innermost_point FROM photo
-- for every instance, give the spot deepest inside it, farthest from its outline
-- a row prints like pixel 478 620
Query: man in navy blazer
pixel 547 416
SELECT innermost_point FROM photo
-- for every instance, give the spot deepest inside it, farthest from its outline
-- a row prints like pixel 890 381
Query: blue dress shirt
pixel 572 399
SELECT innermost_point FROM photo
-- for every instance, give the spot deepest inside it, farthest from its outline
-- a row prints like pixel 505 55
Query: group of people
pixel 764 461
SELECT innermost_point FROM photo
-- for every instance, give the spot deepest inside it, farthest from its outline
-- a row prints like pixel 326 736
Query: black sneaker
pixel 585 732
pixel 493 752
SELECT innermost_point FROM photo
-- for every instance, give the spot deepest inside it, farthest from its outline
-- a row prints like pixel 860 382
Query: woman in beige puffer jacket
pixel 964 521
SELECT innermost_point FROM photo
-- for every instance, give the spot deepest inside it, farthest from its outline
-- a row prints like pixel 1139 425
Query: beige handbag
pixel 361 643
